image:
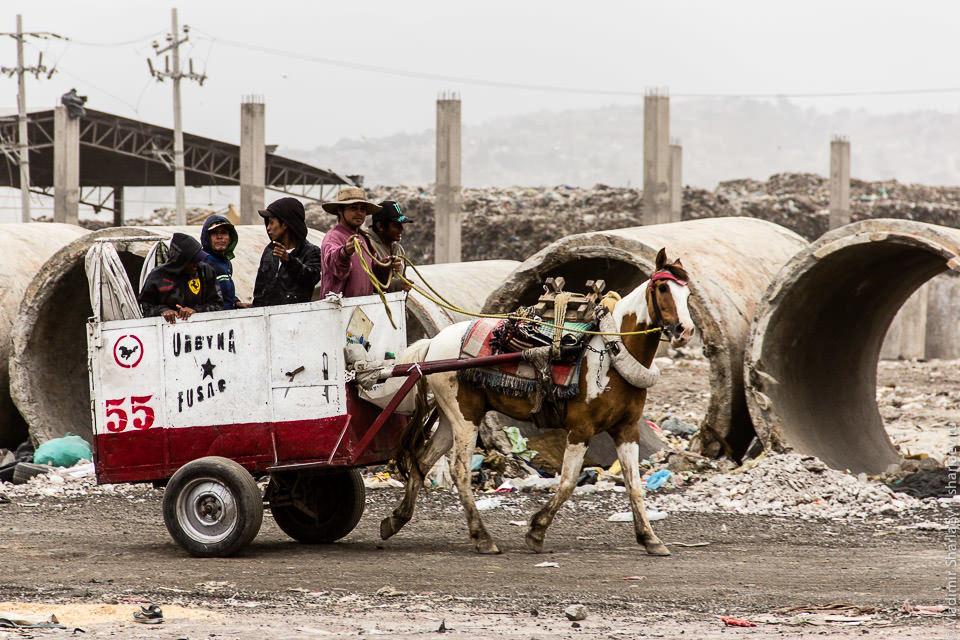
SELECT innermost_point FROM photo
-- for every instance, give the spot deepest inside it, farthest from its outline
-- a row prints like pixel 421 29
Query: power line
pixel 125 43
pixel 359 66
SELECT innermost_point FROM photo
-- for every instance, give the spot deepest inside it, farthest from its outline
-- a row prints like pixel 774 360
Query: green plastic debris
pixel 63 452
pixel 518 444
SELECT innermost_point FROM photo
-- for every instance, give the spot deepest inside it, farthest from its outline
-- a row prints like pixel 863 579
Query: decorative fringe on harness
pixel 509 385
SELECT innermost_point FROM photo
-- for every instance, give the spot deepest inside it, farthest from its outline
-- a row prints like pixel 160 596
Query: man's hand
pixel 169 315
pixel 184 312
pixel 351 245
pixel 243 305
pixel 280 252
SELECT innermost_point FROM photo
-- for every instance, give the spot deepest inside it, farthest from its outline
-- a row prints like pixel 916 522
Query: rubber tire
pixel 23 471
pixel 338 499
pixel 242 490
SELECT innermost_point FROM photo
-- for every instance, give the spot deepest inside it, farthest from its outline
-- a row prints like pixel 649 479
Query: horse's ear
pixel 661 258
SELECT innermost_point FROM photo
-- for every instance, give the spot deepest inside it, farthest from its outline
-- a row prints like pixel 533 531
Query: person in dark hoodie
pixel 219 239
pixel 181 286
pixel 290 264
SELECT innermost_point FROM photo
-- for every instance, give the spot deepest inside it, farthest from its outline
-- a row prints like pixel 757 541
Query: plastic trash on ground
pixel 658 479
pixel 63 452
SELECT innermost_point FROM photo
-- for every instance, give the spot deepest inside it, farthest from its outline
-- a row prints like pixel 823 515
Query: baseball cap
pixel 390 212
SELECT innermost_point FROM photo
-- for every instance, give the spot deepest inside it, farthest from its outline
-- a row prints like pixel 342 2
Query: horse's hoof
pixel 534 542
pixel 657 549
pixel 386 528
pixel 488 547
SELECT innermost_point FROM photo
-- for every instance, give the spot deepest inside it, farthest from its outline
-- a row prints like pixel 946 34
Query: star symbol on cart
pixel 208 368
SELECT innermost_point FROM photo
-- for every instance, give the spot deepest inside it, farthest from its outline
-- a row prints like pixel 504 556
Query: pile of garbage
pixel 513 223
pixel 791 484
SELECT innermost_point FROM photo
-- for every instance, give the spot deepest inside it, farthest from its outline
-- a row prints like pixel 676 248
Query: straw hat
pixel 350 195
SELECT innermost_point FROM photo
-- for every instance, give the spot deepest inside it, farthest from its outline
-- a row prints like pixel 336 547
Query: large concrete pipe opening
pixel 811 364
pixel 24 248
pixel 464 284
pixel 48 364
pixel 731 261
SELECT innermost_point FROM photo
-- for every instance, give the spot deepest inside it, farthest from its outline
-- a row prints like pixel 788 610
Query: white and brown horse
pixel 607 401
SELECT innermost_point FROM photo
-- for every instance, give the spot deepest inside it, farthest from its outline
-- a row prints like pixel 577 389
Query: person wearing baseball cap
pixel 343 266
pixel 181 286
pixel 386 228
pixel 219 239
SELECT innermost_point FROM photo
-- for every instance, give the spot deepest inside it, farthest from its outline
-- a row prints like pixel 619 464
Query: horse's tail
pixel 424 414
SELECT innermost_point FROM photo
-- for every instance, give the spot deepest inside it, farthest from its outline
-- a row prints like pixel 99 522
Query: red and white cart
pixel 209 404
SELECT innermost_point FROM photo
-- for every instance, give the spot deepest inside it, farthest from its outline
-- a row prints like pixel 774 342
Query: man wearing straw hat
pixel 343 264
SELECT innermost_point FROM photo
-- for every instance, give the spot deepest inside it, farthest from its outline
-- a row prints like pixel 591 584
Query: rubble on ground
pixel 70 482
pixel 791 484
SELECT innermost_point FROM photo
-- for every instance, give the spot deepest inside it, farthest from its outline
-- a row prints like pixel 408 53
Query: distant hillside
pixel 722 140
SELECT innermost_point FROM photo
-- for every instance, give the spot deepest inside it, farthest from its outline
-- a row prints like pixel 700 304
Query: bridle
pixel 663 274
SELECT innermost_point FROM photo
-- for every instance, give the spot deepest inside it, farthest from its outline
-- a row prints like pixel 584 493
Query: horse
pixel 608 400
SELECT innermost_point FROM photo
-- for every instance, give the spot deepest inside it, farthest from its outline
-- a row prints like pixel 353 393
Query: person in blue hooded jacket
pixel 219 239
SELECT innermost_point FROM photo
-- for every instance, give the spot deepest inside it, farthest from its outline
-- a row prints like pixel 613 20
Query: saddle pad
pixel 516 379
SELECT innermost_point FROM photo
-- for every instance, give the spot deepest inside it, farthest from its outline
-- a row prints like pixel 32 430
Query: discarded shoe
pixel 148 615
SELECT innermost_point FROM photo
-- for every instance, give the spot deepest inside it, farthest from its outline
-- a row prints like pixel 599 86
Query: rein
pixel 440 301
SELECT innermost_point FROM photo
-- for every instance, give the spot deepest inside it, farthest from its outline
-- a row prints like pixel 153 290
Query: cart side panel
pixel 165 394
pixel 214 372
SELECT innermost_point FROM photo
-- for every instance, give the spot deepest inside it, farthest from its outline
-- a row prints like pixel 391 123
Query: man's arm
pixel 334 258
pixel 149 300
pixel 212 299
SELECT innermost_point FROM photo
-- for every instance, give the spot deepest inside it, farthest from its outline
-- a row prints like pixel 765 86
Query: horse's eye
pixel 662 288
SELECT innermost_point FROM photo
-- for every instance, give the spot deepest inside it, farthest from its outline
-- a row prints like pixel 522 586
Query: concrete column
pixel 839 182
pixel 676 182
pixel 118 215
pixel 656 158
pixel 943 317
pixel 907 335
pixel 448 209
pixel 66 167
pixel 253 159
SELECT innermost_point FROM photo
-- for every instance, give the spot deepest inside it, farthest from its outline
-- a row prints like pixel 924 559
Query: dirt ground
pixel 93 559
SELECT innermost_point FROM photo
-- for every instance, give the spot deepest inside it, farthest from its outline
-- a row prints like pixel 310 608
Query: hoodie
pixel 168 286
pixel 294 280
pixel 220 262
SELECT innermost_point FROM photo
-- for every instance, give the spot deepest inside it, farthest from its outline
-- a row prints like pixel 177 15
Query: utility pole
pixel 176 75
pixel 23 142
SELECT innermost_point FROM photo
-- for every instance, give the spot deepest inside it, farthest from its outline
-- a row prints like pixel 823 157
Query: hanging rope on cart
pixel 437 298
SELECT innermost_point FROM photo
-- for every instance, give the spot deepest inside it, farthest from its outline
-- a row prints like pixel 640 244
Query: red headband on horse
pixel 663 274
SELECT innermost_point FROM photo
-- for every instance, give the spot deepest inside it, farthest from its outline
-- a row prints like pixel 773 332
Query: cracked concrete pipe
pixel 465 284
pixel 48 364
pixel 811 362
pixel 24 248
pixel 731 262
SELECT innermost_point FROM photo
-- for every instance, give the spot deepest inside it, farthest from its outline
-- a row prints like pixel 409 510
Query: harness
pixel 663 274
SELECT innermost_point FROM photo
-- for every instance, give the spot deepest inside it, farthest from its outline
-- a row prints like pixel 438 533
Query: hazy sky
pixel 312 61
pixel 692 47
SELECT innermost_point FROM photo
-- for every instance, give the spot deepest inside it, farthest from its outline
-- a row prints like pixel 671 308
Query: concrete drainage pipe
pixel 465 284
pixel 24 248
pixel 48 364
pixel 811 361
pixel 731 262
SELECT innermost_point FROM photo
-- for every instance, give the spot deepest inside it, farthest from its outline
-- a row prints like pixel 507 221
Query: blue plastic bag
pixel 658 479
pixel 63 452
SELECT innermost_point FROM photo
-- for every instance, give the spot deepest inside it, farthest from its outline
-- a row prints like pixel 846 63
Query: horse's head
pixel 667 296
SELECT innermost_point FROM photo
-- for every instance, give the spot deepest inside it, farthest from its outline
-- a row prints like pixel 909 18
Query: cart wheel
pixel 212 507
pixel 317 508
